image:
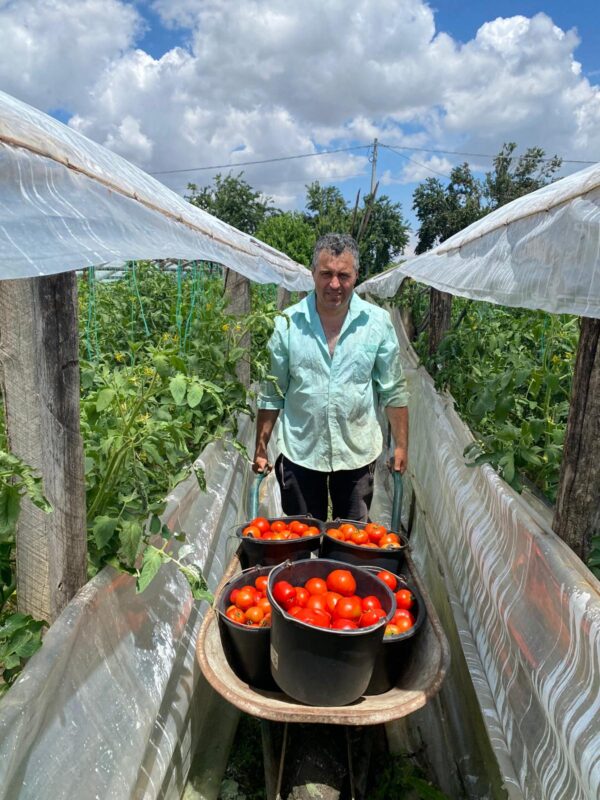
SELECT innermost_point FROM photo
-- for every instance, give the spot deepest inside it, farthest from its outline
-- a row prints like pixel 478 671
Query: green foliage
pixel 399 777
pixel 232 200
pixel 291 233
pixel 20 638
pixel 443 211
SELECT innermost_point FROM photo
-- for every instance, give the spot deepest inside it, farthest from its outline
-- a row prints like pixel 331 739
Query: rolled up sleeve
pixel 388 375
pixel 269 398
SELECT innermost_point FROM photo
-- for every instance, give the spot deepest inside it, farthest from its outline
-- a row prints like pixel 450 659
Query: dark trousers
pixel 305 491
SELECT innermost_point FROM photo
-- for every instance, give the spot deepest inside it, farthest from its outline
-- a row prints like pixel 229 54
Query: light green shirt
pixel 329 405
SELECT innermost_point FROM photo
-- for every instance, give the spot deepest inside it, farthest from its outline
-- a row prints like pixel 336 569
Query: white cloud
pixel 266 78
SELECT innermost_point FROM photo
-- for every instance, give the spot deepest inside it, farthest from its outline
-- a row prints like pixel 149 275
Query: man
pixel 334 357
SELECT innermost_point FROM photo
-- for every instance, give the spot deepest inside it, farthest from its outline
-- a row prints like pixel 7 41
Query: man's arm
pixel 265 422
pixel 398 417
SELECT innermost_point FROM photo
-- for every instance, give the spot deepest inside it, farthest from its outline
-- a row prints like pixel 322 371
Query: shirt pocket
pixel 364 360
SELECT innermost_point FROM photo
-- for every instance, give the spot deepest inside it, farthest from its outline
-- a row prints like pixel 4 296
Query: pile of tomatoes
pixel 279 529
pixel 329 602
pixel 371 535
pixel 249 605
pixel 403 620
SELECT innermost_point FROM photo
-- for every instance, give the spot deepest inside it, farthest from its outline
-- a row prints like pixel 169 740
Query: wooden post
pixel 237 291
pixel 440 310
pixel 40 361
pixel 577 513
pixel 283 298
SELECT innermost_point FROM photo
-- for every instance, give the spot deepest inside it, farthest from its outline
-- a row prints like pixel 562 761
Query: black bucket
pixel 246 649
pixel 270 553
pixel 395 652
pixel 350 553
pixel 322 666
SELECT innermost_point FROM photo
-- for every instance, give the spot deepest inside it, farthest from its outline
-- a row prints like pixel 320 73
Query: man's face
pixel 334 278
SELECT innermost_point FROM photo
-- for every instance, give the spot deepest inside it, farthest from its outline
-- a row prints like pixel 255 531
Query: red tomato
pixel 261 583
pixel 348 608
pixel 302 596
pixel 254 614
pixel 245 597
pixel 336 533
pixel 294 611
pixel 370 601
pixel 341 581
pixel 252 531
pixel 306 615
pixel 298 527
pixel 312 531
pixel 344 624
pixel 264 604
pixel 322 620
pixel 261 523
pixel 403 614
pixel 235 614
pixel 375 532
pixel 317 602
pixel 233 595
pixel 284 593
pixel 331 599
pixel 404 599
pixel 403 625
pixel 348 529
pixel 278 525
pixel 388 579
pixel 316 586
pixel 370 617
pixel 360 537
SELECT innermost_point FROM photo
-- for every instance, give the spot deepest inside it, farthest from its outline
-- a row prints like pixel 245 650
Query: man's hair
pixel 336 243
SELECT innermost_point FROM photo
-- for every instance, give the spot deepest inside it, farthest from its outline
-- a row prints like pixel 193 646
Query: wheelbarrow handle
pixel 397 501
pixel 253 496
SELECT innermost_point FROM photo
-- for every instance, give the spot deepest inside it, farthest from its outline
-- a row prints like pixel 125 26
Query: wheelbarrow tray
pixel 423 679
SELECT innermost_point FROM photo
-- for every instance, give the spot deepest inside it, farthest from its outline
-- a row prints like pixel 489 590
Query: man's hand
pixel 261 464
pixel 400 460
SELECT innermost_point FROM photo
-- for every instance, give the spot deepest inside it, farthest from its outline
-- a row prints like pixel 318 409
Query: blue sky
pixel 176 84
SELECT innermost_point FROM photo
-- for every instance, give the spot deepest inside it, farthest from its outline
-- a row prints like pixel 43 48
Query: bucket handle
pixel 397 501
pixel 253 496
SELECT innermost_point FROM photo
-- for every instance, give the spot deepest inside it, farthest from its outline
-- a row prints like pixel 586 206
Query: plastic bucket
pixel 395 652
pixel 270 553
pixel 246 649
pixel 321 666
pixel 349 553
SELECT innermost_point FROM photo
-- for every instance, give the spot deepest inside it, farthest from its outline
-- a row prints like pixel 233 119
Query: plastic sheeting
pixel 526 612
pixel 540 251
pixel 67 203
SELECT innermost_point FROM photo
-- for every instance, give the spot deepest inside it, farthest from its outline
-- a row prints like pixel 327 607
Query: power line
pixel 418 163
pixel 471 155
pixel 262 161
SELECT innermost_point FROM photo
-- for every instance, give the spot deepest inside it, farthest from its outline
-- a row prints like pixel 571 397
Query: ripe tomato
pixel 284 593
pixel 348 529
pixel 370 601
pixel 340 624
pixel 298 527
pixel 370 617
pixel 302 596
pixel 246 597
pixel 294 610
pixel 235 614
pixel 403 625
pixel 348 608
pixel 233 595
pixel 254 614
pixel 306 615
pixel 261 583
pixel 359 537
pixel 336 533
pixel 388 579
pixel 263 603
pixel 317 602
pixel 312 530
pixel 316 586
pixel 391 630
pixel 252 531
pixel 404 599
pixel 390 541
pixel 278 525
pixel 322 620
pixel 341 581
pixel 331 599
pixel 375 532
pixel 261 523
pixel 403 614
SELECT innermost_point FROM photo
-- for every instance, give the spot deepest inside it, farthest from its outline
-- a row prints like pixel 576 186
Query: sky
pixel 186 88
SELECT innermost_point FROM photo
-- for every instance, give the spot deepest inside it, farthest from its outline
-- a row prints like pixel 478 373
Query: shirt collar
pixel 356 306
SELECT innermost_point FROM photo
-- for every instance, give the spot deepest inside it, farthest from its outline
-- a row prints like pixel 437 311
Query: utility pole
pixel 374 165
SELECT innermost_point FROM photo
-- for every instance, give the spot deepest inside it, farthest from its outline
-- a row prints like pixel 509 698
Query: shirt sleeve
pixel 388 375
pixel 269 398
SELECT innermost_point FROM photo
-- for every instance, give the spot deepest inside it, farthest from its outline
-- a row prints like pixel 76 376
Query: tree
pixel 326 209
pixel 289 232
pixel 232 200
pixel 513 178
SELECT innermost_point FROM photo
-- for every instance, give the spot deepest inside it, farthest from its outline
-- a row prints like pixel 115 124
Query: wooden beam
pixel 440 310
pixel 237 292
pixel 577 512
pixel 40 384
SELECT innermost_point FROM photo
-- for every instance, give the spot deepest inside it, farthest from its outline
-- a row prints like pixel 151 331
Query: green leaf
pixel 105 398
pixel 130 536
pixel 194 395
pixel 10 506
pixel 103 530
pixel 155 524
pixel 178 387
pixel 151 563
